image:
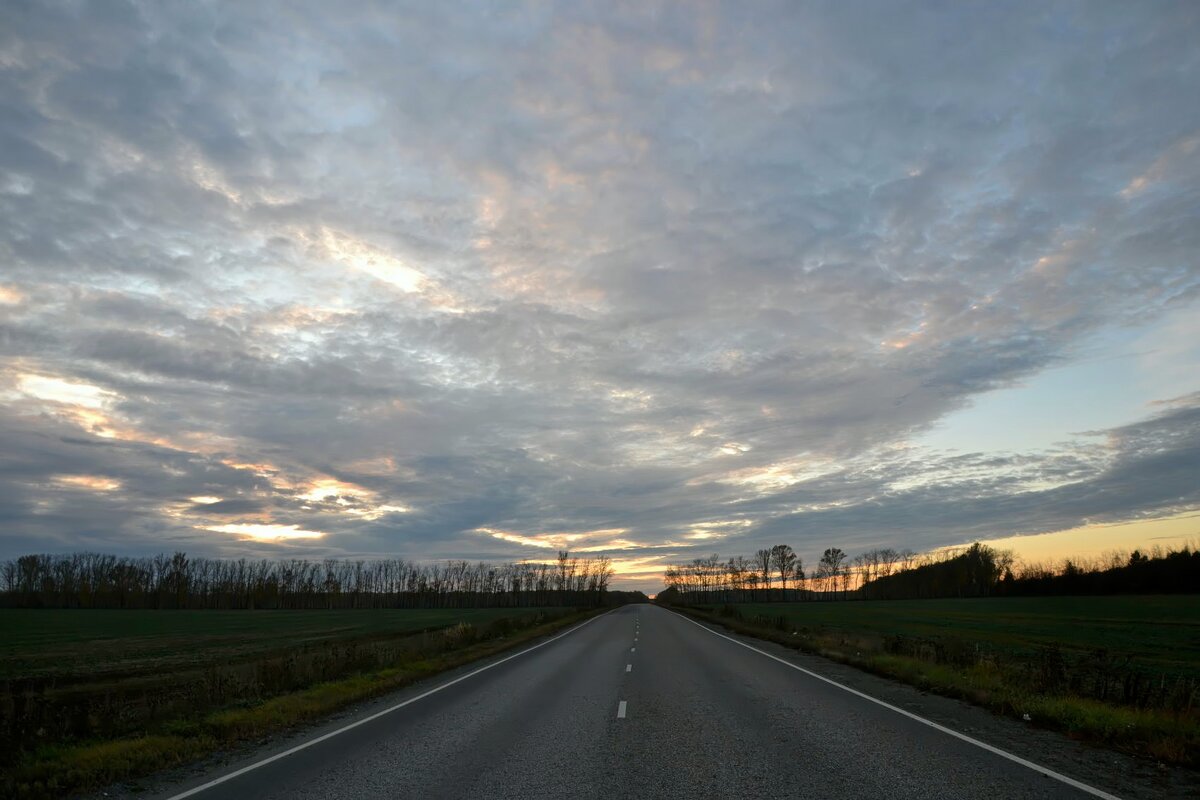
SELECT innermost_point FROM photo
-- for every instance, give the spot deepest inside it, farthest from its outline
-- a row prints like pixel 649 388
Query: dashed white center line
pixel 633 649
pixel 621 710
pixel 629 667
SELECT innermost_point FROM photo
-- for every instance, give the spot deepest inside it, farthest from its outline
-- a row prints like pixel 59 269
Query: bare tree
pixel 831 567
pixel 784 561
pixel 762 560
pixel 860 566
pixel 735 568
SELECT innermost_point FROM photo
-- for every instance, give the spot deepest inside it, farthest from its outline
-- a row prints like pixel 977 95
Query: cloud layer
pixel 482 281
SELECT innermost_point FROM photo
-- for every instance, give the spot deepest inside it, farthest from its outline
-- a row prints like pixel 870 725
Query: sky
pixel 488 280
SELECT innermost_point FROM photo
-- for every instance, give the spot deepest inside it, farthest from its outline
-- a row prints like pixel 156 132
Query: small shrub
pixel 460 635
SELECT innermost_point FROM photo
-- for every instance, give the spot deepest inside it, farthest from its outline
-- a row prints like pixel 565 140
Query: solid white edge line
pixel 303 745
pixel 1002 753
pixel 621 710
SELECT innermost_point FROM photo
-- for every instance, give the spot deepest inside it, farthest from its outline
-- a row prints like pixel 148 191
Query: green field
pixel 73 643
pixel 1122 671
pixel 68 675
pixel 91 697
pixel 1159 633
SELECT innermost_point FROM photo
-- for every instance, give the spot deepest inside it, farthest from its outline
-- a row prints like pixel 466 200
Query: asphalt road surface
pixel 638 703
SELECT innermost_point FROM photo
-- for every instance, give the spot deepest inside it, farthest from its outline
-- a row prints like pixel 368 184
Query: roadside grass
pixel 73 675
pixel 63 768
pixel 1003 681
pixel 1160 635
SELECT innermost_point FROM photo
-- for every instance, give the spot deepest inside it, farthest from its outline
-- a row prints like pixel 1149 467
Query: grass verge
pixel 1171 737
pixel 64 769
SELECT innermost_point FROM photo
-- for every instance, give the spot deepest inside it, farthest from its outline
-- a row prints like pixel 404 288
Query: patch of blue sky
pixel 1117 377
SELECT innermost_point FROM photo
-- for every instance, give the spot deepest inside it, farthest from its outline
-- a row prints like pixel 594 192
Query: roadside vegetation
pixel 111 667
pixel 69 647
pixel 1106 650
pixel 72 730
pixel 1120 671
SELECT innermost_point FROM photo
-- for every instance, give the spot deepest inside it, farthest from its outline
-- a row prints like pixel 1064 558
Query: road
pixel 638 703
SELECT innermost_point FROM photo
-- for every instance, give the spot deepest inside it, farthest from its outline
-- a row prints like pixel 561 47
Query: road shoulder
pixel 1125 775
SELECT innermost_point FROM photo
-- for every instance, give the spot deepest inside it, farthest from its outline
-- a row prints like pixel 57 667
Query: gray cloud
pixel 562 269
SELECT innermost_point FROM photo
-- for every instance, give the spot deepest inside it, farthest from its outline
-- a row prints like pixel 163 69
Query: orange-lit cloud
pixel 382 465
pixel 771 477
pixel 580 542
pixel 58 390
pixel 349 498
pixel 907 339
pixel 1162 167
pixel 83 404
pixel 718 529
pixel 261 469
pixel 96 483
pixel 266 532
pixel 369 259
pixel 332 490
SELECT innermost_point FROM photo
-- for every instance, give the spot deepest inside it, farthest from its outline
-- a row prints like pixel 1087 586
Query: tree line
pixel 1157 572
pixel 179 581
pixel 973 572
pixel 777 574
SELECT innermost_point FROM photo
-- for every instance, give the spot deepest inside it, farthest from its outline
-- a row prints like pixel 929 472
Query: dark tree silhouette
pixel 90 580
pixel 762 559
pixel 783 559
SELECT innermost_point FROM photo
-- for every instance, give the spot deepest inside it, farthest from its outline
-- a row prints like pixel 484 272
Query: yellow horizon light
pixel 1098 539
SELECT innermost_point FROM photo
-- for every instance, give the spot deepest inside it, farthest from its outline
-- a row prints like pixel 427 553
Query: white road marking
pixel 1049 773
pixel 629 667
pixel 633 649
pixel 304 745
pixel 621 710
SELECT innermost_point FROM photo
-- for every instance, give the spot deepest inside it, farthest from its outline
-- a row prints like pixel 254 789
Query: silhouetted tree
pixel 89 580
pixel 762 559
pixel 783 559
pixel 830 567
